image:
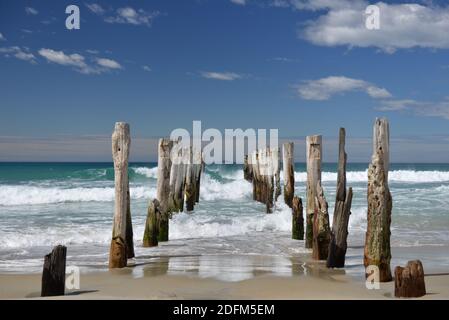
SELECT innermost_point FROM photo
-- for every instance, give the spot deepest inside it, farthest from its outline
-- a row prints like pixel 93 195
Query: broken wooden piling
pixel 265 172
pixel 297 219
pixel 409 281
pixel 321 229
pixel 277 173
pixel 163 186
pixel 342 211
pixel 152 224
pixel 314 155
pixel 289 172
pixel 193 178
pixel 121 142
pixel 247 169
pixel 53 274
pixel 129 229
pixel 377 242
pixel 179 160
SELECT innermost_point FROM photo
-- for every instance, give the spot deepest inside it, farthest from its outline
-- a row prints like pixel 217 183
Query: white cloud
pixel 95 8
pixel 325 88
pixel 78 62
pixel 422 108
pixel 239 2
pixel 146 68
pixel 18 53
pixel 2 37
pixel 224 76
pixel 402 26
pixel 61 58
pixel 31 11
pixel 92 51
pixel 108 63
pixel 129 15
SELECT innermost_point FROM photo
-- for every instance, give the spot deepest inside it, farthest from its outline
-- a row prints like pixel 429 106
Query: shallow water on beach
pixel 44 204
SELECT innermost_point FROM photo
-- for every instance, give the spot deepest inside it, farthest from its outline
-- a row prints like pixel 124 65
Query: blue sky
pixel 304 67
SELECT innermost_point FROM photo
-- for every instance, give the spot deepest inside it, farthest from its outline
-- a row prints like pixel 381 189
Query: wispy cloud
pixel 239 2
pixel 95 8
pixel 18 53
pixel 125 15
pixel 78 61
pixel 108 63
pixel 2 38
pixel 49 21
pixel 422 108
pixel 31 11
pixel 129 15
pixel 224 76
pixel 146 68
pixel 325 88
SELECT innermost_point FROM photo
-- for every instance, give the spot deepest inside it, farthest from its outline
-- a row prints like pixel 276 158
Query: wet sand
pixel 185 279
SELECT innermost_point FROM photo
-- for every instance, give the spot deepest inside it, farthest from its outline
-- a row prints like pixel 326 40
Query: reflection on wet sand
pixel 233 268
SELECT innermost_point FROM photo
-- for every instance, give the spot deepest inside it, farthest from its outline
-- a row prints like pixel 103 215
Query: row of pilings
pixel 178 186
pixel 261 168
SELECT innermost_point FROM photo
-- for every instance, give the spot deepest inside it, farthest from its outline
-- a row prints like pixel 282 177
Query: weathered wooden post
pixel 275 154
pixel 297 219
pixel 193 176
pixel 409 281
pixel 321 229
pixel 342 211
pixel 247 169
pixel 289 172
pixel 151 233
pixel 201 168
pixel 129 229
pixel 314 155
pixel 53 274
pixel 179 158
pixel 377 242
pixel 163 186
pixel 121 142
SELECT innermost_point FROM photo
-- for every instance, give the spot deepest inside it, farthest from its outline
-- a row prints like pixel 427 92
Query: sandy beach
pixel 155 280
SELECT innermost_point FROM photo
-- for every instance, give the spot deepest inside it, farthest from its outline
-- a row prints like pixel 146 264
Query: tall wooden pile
pixel 377 242
pixel 313 155
pixel 342 211
pixel 289 172
pixel 120 249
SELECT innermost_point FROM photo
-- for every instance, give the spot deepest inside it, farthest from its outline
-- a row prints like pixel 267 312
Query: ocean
pixel 44 204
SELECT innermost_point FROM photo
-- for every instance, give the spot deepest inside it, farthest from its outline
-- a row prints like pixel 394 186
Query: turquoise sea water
pixel 43 204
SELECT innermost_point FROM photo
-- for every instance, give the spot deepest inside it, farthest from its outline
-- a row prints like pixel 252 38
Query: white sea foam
pixel 66 235
pixel 211 189
pixel 27 195
pixel 352 176
pixel 408 176
pixel 201 226
pixel 147 172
